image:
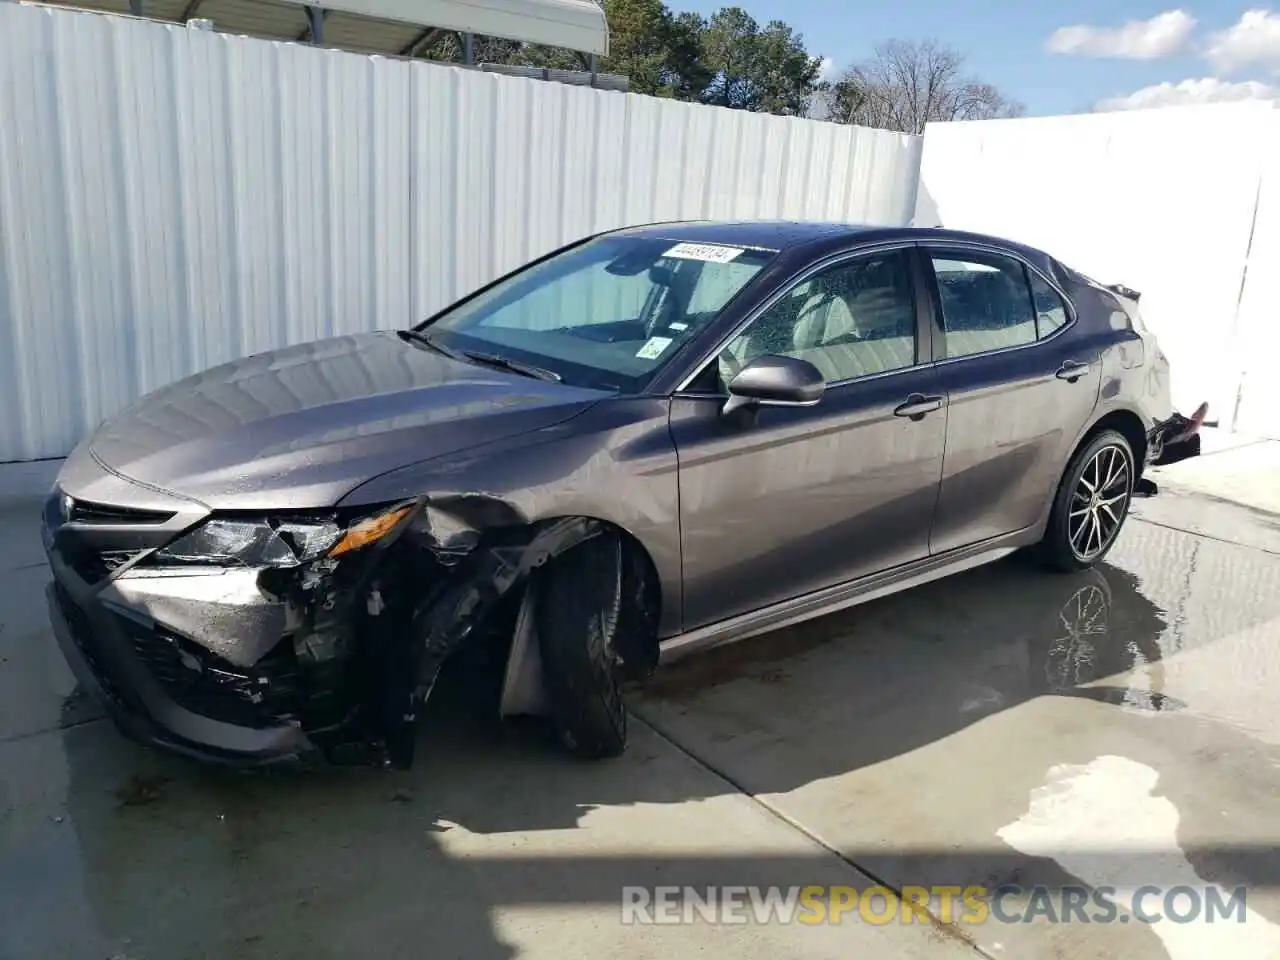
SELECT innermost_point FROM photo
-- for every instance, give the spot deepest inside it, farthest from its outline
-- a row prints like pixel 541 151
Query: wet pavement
pixel 1117 727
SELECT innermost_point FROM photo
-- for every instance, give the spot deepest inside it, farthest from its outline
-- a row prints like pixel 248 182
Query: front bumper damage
pixel 328 660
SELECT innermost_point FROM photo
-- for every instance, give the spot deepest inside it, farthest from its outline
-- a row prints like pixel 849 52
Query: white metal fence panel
pixel 1160 200
pixel 1258 339
pixel 171 198
pixel 505 171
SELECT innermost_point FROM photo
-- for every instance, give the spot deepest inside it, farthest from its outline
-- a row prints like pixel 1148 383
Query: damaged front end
pixel 441 581
pixel 252 639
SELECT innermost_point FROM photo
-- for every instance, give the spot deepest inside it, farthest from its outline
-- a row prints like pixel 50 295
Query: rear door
pixel 789 500
pixel 1022 383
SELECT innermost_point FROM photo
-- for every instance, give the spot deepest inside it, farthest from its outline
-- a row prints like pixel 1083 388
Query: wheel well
pixel 642 586
pixel 646 569
pixel 1128 425
pixel 642 590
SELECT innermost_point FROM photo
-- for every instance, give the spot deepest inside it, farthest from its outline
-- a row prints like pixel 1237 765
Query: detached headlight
pixel 277 543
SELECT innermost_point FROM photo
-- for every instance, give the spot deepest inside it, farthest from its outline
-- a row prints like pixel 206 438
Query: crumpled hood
pixel 303 426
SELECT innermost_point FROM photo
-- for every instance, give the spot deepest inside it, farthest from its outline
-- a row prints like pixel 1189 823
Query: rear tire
pixel 1090 506
pixel 579 606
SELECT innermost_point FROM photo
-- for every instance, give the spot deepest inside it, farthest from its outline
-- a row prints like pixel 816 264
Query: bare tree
pixel 907 84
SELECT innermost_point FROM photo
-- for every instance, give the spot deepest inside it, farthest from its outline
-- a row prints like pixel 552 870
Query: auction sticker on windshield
pixel 710 252
pixel 653 348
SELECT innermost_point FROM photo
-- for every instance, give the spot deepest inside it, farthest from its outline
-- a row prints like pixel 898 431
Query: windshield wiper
pixel 515 366
pixel 427 340
pixel 492 359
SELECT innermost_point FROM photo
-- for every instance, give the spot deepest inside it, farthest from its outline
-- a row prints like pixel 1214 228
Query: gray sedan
pixel 649 442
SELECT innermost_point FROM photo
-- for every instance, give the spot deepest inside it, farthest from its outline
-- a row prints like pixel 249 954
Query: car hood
pixel 303 426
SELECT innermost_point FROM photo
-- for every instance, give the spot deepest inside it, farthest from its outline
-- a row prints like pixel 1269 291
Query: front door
pixel 787 500
pixel 1007 348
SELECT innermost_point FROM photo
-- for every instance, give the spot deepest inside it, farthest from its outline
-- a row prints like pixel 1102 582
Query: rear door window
pixel 985 301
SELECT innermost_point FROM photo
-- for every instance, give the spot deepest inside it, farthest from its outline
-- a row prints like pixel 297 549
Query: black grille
pixel 265 695
pixel 82 635
pixel 93 566
pixel 85 511
pixel 95 554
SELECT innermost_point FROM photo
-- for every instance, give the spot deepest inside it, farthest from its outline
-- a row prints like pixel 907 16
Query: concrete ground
pixel 1113 729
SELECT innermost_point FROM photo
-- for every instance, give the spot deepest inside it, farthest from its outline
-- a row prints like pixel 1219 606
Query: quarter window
pixel 986 304
pixel 852 320
pixel 1051 312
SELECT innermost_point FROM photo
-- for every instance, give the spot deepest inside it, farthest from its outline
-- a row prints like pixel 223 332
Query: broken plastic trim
pixel 1177 438
pixel 522 687
pixel 1127 292
pixel 478 580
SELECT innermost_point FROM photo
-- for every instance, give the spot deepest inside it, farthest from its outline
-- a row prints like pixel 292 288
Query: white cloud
pixel 1161 36
pixel 1190 92
pixel 827 70
pixel 1253 40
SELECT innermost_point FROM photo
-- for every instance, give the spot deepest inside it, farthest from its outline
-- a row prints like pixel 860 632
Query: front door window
pixel 854 319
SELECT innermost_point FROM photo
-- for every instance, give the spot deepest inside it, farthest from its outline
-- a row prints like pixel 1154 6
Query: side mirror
pixel 774 381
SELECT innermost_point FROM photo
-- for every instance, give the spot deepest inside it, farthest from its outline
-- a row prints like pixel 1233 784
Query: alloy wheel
pixel 1099 502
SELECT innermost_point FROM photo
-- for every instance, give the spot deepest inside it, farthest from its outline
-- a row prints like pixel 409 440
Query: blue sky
pixel 1121 53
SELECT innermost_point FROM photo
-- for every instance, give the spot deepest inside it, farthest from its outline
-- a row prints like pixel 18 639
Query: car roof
pixel 783 235
pixel 759 234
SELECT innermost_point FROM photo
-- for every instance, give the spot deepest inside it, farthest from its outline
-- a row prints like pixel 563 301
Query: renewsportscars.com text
pixel 973 905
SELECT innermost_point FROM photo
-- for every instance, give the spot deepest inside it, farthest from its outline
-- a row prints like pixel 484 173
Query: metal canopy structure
pixel 391 27
pixel 572 24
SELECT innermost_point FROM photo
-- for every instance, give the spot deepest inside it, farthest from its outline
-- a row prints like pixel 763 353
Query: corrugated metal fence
pixel 174 198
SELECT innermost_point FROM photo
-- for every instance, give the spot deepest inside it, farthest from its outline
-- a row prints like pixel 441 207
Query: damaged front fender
pixel 476 582
pixel 450 579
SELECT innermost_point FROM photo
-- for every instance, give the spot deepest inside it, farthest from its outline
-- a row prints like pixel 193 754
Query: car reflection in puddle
pixel 965 647
pixel 1083 654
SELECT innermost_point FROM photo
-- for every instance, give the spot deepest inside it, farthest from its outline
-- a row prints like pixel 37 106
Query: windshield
pixel 607 313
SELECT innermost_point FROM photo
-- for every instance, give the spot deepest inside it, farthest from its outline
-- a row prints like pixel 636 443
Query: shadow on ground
pixel 168 859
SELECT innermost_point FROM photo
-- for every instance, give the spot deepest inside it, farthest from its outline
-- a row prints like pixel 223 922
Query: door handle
pixel 917 406
pixel 1072 370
